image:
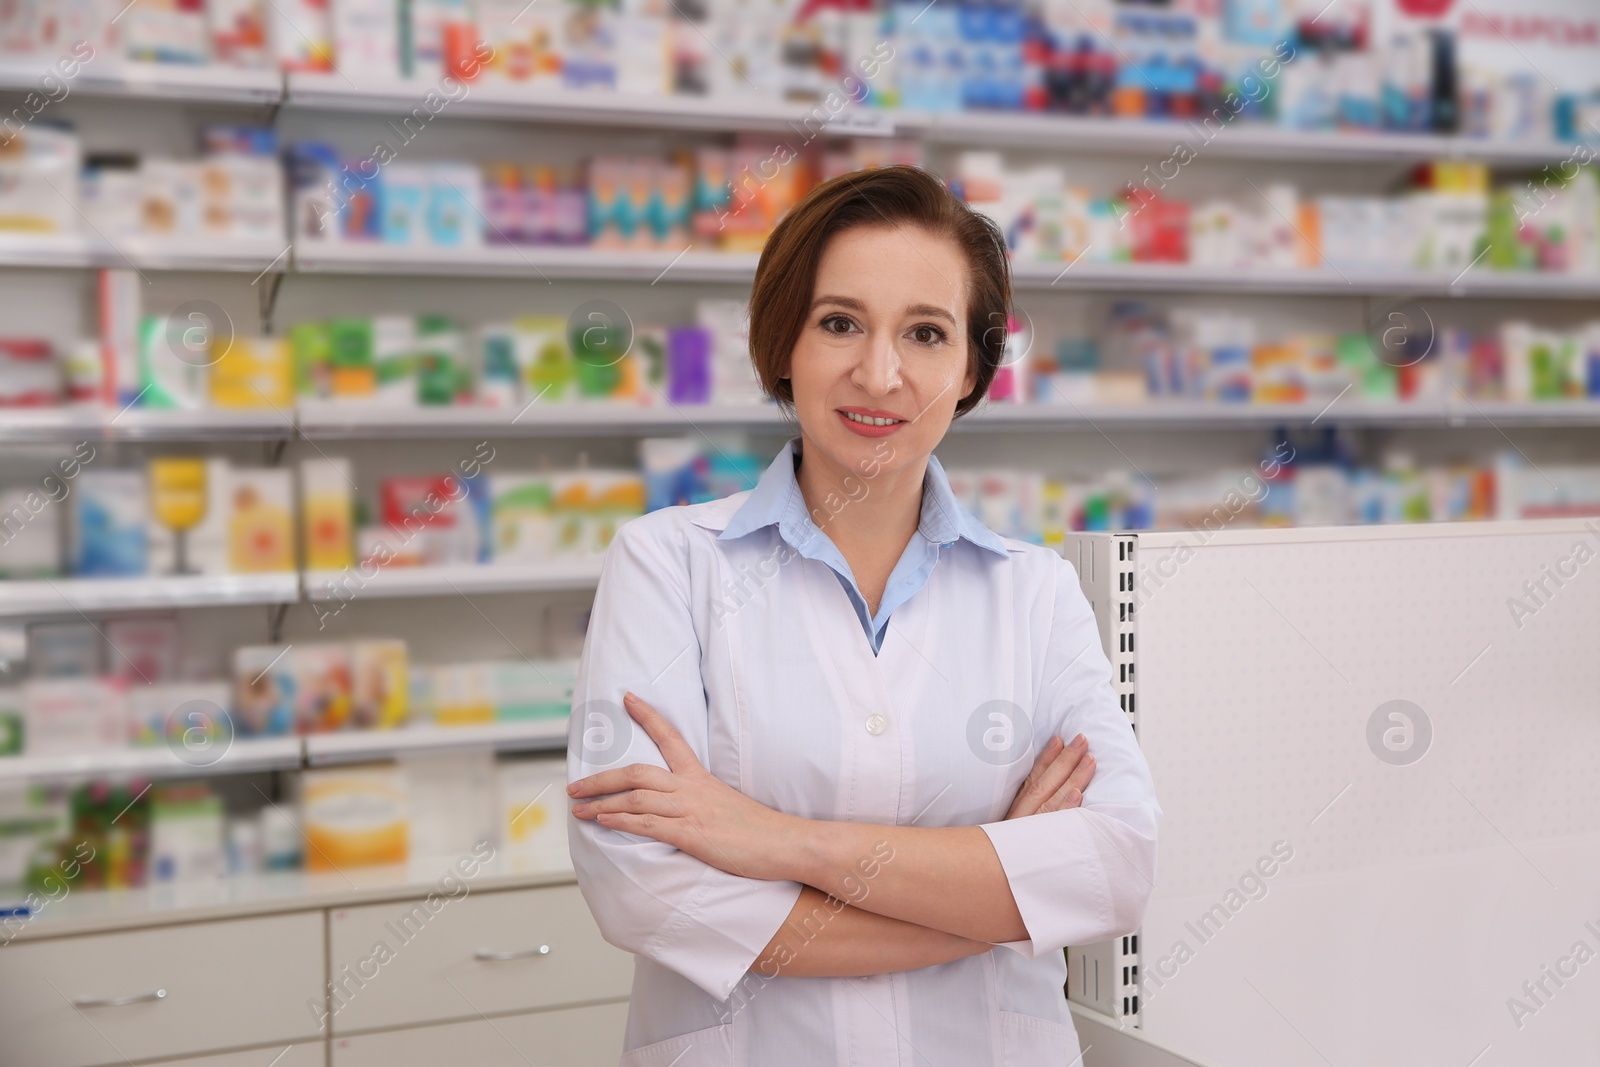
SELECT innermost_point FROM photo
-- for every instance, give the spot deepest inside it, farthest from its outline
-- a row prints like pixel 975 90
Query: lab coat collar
pixel 776 500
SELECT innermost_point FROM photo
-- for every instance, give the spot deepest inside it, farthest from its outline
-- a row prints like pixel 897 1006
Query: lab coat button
pixel 876 724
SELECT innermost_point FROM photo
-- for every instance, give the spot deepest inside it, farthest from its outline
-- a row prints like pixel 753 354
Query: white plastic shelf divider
pixel 491 261
pixel 202 254
pixel 578 572
pixel 244 754
pixel 71 596
pixel 329 420
pixel 1312 281
pixel 489 99
pixel 739 269
pixel 102 76
pixel 1240 140
pixel 92 422
pixel 325 419
pixel 358 745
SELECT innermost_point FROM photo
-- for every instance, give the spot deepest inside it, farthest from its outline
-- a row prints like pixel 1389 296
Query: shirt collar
pixel 776 499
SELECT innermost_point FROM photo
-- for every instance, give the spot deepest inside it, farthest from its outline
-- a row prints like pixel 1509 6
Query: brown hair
pixel 780 299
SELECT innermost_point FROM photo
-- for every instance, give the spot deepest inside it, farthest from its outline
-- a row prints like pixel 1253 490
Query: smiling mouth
pixel 868 420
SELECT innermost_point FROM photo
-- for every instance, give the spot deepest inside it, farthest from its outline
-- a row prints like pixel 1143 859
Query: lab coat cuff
pixel 715 936
pixel 1056 877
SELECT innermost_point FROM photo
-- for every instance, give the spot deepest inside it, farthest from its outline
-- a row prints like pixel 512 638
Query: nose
pixel 877 371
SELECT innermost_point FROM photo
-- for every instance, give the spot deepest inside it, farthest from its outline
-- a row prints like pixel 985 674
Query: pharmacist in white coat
pixel 847 768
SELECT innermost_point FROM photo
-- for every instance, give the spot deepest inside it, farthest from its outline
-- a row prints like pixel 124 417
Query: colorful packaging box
pixel 328 512
pixel 108 534
pixel 380 684
pixel 522 510
pixel 254 372
pixel 69 716
pixel 265 691
pixel 353 817
pixel 194 715
pixel 143 651
pixel 30 534
pixel 260 525
pixel 322 687
pixel 532 795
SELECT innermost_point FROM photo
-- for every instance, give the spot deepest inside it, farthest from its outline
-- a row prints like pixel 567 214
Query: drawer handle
pixel 521 954
pixel 117 1002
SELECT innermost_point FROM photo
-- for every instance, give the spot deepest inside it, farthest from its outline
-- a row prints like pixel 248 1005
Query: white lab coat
pixel 756 655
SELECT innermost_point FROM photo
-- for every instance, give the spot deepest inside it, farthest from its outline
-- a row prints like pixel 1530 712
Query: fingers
pixel 1054 763
pixel 1070 795
pixel 631 802
pixel 644 825
pixel 1026 802
pixel 674 749
pixel 1060 768
pixel 633 776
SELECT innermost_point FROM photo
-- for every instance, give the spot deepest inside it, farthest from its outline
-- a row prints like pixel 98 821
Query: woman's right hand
pixel 1059 776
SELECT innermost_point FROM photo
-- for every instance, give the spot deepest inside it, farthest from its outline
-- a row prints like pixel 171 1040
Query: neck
pixel 859 509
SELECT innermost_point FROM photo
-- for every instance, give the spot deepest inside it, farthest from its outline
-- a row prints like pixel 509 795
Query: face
pixel 882 359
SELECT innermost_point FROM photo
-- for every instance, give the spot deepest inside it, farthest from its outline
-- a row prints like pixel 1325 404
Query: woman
pixel 830 737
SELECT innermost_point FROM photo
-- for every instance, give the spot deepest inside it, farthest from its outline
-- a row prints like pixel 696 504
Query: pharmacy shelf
pixel 532 735
pixel 335 421
pixel 200 254
pixel 161 81
pixel 577 572
pixel 1317 281
pixel 522 261
pixel 93 422
pixel 241 756
pixel 323 420
pixel 246 755
pixel 78 596
pixel 1244 140
pixel 85 911
pixel 1080 276
pixel 509 101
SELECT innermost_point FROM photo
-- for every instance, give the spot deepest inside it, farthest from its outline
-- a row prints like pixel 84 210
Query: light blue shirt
pixel 776 499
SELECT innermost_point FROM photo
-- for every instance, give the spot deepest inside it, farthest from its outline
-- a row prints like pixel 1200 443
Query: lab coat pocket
pixel 711 1047
pixel 1030 1041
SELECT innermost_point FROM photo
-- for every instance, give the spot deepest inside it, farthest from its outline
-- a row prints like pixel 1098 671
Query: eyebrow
pixel 931 310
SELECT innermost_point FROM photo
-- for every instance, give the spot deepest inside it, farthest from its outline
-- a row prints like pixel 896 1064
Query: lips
pixel 870 422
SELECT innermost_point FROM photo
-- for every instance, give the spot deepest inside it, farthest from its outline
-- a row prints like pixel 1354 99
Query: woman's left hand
pixel 686 806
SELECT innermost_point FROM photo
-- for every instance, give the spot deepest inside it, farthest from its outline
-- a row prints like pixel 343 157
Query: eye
pixel 927 334
pixel 831 324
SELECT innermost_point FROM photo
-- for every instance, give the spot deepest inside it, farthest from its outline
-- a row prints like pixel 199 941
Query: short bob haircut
pixel 900 195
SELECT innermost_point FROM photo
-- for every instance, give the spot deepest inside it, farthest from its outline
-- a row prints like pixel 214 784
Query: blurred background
pixel 338 336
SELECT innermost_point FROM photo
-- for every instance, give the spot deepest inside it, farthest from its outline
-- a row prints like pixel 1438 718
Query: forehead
pixel 889 268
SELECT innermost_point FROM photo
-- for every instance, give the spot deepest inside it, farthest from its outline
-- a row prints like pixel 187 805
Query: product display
pixel 1361 68
pixel 1449 220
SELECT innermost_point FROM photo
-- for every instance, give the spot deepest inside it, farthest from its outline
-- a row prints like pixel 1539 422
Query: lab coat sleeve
pixel 1082 875
pixel 648 897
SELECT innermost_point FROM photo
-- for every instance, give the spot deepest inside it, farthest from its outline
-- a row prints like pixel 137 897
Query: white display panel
pixel 1417 897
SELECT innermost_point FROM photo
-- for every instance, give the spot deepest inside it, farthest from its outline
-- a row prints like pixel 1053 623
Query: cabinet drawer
pixel 311 1054
pixel 400 964
pixel 227 984
pixel 571 1037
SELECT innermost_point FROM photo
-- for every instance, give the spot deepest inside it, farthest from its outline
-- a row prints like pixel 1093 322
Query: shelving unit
pixel 59 251
pixel 77 596
pixel 100 76
pixel 94 422
pixel 241 756
pixel 535 735
pixel 578 572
